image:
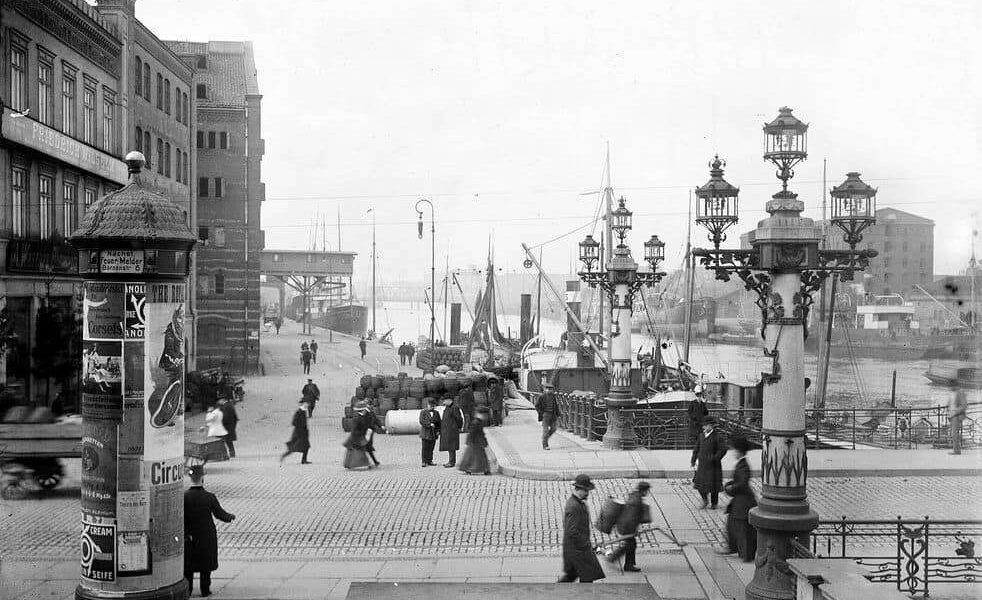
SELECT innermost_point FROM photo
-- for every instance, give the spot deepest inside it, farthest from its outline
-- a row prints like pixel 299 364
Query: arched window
pixel 139 140
pixel 167 96
pixel 160 156
pixel 160 91
pixel 177 170
pixel 146 81
pixel 147 148
pixel 139 76
pixel 167 159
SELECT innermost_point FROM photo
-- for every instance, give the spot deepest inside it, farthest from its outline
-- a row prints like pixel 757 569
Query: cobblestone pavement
pixel 401 509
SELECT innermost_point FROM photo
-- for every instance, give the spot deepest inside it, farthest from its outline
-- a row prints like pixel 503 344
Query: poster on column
pixel 98 548
pixel 99 468
pixel 131 427
pixel 102 311
pixel 163 390
pixel 163 378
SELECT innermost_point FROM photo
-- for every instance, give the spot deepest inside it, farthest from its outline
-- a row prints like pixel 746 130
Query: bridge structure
pixel 307 272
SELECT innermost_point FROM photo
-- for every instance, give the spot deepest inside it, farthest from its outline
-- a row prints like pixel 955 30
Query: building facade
pixel 229 148
pixel 157 118
pixel 60 148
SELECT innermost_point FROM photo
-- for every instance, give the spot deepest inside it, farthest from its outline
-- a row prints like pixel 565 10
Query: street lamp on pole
pixel 785 268
pixel 419 227
pixel 620 280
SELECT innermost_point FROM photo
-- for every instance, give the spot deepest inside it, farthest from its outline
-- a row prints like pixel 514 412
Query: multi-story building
pixel 157 119
pixel 60 147
pixel 230 191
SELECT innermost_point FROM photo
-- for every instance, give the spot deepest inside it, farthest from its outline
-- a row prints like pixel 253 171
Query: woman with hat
pixel 200 535
pixel 708 453
pixel 741 537
pixel 356 455
pixel 579 560
pixel 475 459
pixel 300 439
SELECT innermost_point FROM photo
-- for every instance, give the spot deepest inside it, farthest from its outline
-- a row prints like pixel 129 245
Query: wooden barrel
pixel 451 385
pixel 385 405
pixel 377 382
pixel 434 386
pixel 417 389
pixel 346 424
pixel 359 392
pixel 371 393
pixel 349 412
pixel 410 404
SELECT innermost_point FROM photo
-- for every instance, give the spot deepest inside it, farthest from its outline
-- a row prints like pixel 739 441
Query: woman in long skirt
pixel 475 459
pixel 356 453
pixel 741 536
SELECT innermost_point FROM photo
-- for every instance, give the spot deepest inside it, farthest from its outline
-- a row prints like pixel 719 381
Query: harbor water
pixel 862 383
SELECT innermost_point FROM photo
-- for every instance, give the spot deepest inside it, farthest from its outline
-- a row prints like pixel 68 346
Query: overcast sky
pixel 499 113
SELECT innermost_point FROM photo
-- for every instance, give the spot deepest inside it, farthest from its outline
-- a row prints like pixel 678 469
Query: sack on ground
pixel 610 512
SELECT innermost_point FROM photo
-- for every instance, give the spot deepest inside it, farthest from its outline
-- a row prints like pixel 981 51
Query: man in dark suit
pixel 200 536
pixel 450 425
pixel 429 422
pixel 311 393
pixel 708 453
pixel 579 560
pixel 548 408
pixel 634 513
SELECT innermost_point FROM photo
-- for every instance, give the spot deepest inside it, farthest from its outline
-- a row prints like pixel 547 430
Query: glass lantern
pixel 654 252
pixel 589 252
pixel 785 137
pixel 717 203
pixel 853 207
pixel 621 220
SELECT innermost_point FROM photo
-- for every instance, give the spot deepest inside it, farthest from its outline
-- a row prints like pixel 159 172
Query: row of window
pixel 47 199
pixel 144 144
pixel 142 89
pixel 20 97
pixel 204 187
pixel 215 139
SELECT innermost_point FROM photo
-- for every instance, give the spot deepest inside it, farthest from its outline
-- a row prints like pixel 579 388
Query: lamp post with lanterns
pixel 620 280
pixel 419 230
pixel 784 267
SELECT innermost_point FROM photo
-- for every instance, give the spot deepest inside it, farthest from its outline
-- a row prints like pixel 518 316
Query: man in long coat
pixel 429 431
pixel 200 536
pixel 548 408
pixel 467 402
pixel 697 412
pixel 311 393
pixel 708 453
pixel 579 560
pixel 741 536
pixel 450 425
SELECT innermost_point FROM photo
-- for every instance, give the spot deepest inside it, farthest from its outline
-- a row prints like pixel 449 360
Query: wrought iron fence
pixel 912 554
pixel 847 428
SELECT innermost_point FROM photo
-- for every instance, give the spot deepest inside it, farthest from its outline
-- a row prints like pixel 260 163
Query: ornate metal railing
pixel 846 428
pixel 912 554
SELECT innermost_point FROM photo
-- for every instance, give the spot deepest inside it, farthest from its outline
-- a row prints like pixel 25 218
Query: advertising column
pixel 134 248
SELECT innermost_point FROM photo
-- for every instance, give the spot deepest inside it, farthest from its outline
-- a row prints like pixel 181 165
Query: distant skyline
pixel 499 112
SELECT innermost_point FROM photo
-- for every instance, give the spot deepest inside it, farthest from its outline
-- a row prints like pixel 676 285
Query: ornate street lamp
pixel 620 280
pixel 419 230
pixel 784 267
pixel 853 208
pixel 717 203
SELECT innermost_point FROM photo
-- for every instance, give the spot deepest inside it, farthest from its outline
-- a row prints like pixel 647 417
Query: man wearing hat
pixel 709 453
pixel 579 560
pixel 300 440
pixel 429 431
pixel 697 411
pixel 311 393
pixel 634 513
pixel 548 409
pixel 200 536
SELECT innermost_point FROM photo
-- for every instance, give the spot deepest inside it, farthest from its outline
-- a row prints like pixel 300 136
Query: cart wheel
pixel 47 481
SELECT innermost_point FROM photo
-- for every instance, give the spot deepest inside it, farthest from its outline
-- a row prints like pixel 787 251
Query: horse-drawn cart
pixel 29 454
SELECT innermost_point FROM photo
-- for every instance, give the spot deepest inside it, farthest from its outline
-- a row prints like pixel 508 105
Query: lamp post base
pixel 773 579
pixel 620 433
pixel 174 591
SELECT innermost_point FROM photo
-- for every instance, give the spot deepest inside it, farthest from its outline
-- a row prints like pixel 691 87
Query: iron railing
pixel 912 554
pixel 584 414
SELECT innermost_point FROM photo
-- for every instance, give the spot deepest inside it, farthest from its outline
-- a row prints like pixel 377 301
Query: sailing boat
pixel 330 307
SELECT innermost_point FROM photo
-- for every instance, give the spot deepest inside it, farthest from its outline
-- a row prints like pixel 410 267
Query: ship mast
pixel 690 285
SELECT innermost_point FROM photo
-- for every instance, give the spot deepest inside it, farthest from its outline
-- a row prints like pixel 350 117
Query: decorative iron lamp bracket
pixel 639 280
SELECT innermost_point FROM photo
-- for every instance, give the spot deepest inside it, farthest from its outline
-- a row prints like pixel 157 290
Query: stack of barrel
pixel 388 393
pixel 453 358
